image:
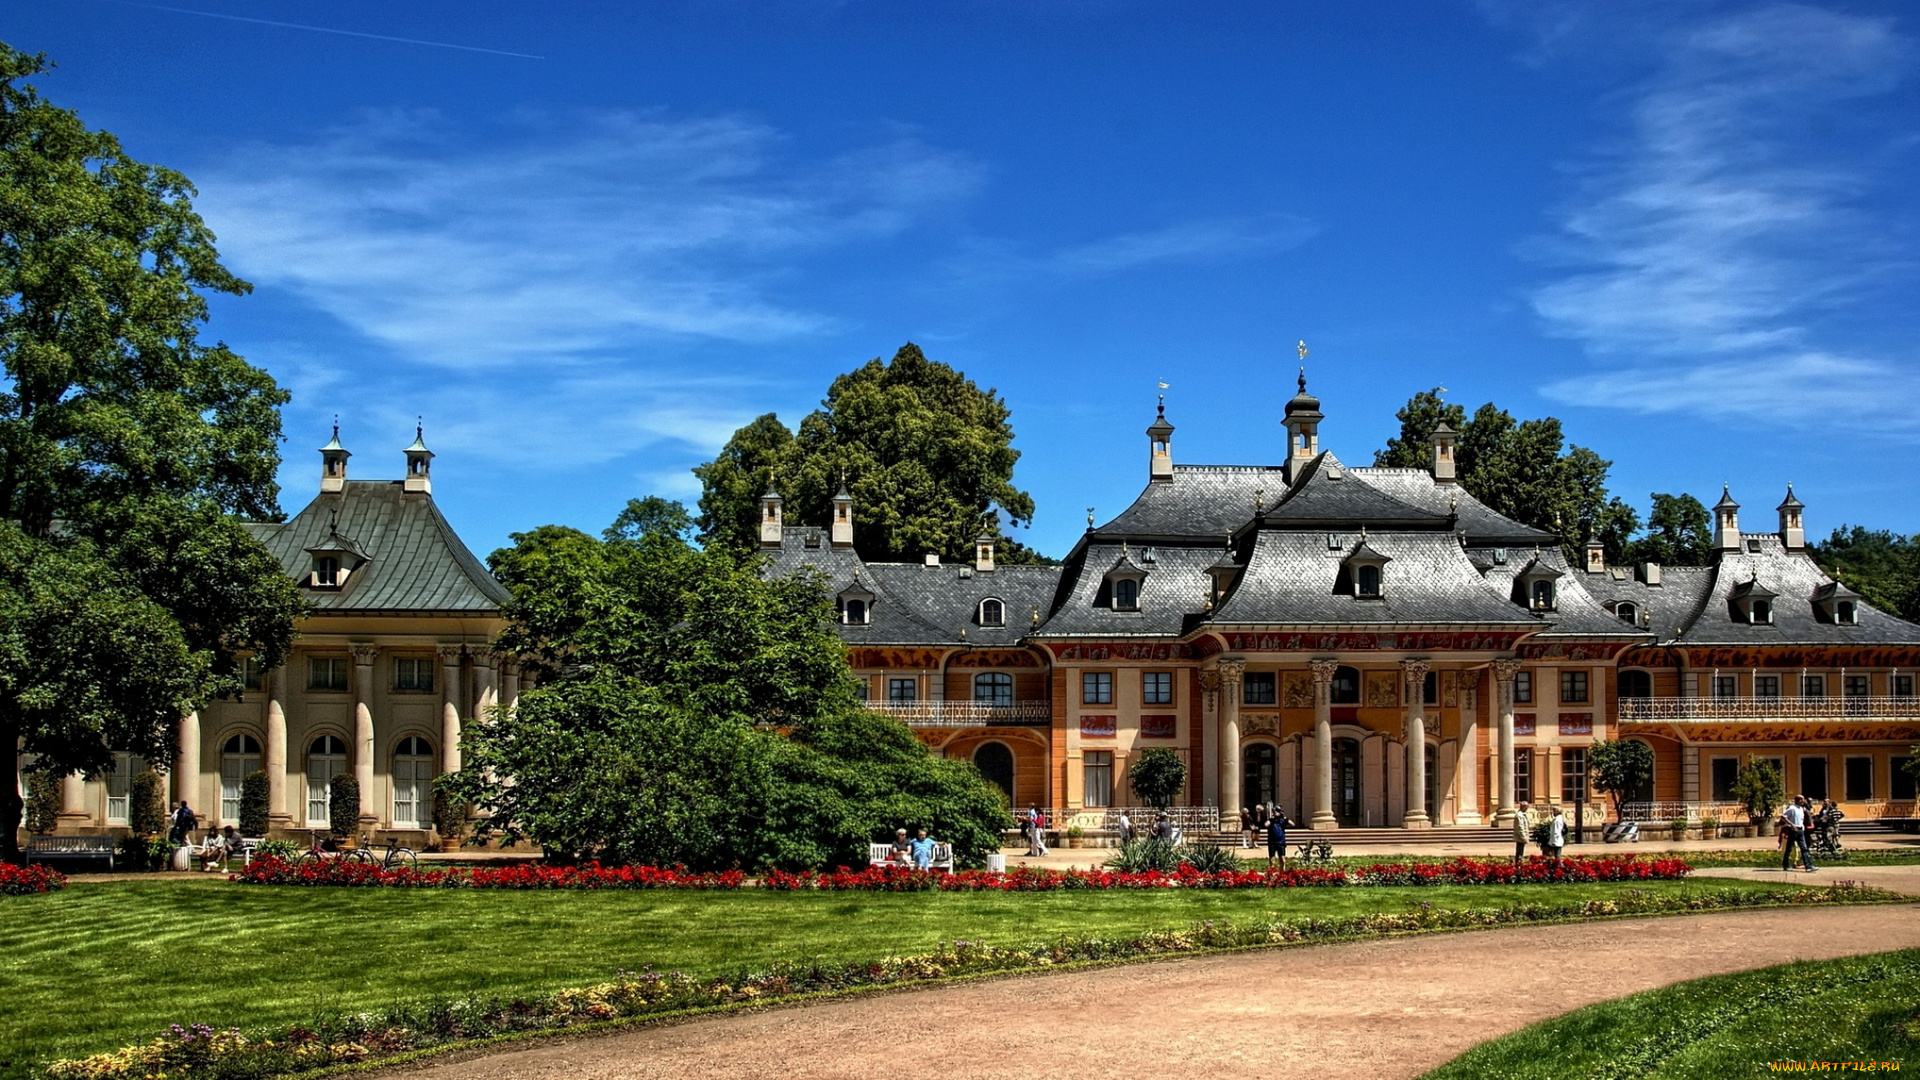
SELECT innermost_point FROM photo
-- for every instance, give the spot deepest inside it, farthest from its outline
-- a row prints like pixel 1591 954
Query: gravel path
pixel 1389 1008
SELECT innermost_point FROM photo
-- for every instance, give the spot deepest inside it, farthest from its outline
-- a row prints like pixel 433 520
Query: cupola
pixel 1445 439
pixel 1537 585
pixel 1837 604
pixel 842 528
pixel 333 464
pixel 1793 535
pixel 1596 553
pixel 770 519
pixel 1726 522
pixel 1160 446
pixel 1303 430
pixel 419 478
pixel 1751 602
pixel 1122 582
pixel 983 553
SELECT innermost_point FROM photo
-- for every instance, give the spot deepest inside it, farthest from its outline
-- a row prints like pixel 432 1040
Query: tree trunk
pixel 12 806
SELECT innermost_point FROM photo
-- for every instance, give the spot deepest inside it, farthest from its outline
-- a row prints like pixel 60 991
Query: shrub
pixel 147 805
pixel 253 804
pixel 284 850
pixel 146 852
pixel 1208 859
pixel 450 811
pixel 1141 856
pixel 1758 788
pixel 343 809
pixel 43 803
pixel 1158 776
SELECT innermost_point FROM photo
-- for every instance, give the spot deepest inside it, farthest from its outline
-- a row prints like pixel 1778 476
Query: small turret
pixel 333 464
pixel 1303 430
pixel 770 527
pixel 1726 522
pixel 1793 535
pixel 1160 446
pixel 1444 440
pixel 419 478
pixel 983 553
pixel 840 533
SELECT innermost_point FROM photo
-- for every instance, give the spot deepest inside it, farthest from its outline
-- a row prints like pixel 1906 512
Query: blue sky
pixel 586 241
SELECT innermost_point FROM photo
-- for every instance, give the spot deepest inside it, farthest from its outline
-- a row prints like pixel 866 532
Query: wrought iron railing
pixel 963 713
pixel 1190 819
pixel 1733 813
pixel 1769 708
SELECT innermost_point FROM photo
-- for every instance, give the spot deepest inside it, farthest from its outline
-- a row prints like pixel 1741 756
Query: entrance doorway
pixel 1433 785
pixel 1346 781
pixel 1259 781
pixel 995 763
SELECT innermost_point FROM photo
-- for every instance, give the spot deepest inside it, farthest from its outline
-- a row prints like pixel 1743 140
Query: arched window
pixel 1126 594
pixel 1543 596
pixel 993 688
pixel 993 612
pixel 1628 612
pixel 855 613
pixel 995 763
pixel 326 759
pixel 1366 581
pixel 1346 686
pixel 413 783
pixel 1636 684
pixel 239 756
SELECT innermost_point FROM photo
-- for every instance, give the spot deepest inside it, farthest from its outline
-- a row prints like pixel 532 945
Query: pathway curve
pixel 1389 1008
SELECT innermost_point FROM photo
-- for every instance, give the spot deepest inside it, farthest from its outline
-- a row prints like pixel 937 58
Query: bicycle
pixel 1314 850
pixel 396 857
pixel 317 853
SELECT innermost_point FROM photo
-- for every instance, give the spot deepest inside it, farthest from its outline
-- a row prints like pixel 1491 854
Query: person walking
pixel 1795 817
pixel 183 821
pixel 1556 835
pixel 1277 823
pixel 1522 833
pixel 1037 841
pixel 1125 827
pixel 1246 826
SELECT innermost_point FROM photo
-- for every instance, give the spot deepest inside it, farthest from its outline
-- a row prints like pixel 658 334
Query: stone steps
pixel 1342 838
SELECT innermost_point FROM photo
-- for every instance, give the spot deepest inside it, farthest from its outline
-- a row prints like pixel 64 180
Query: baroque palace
pixel 1290 630
pixel 1372 647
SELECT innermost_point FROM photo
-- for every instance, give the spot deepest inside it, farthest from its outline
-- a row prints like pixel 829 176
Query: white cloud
pixel 1797 389
pixel 1716 228
pixel 1203 240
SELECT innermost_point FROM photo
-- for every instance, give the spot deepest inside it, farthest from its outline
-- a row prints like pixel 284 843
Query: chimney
pixel 1650 574
pixel 842 528
pixel 1443 441
pixel 1793 536
pixel 983 553
pixel 1726 522
pixel 419 480
pixel 1160 447
pixel 333 464
pixel 770 519
pixel 933 558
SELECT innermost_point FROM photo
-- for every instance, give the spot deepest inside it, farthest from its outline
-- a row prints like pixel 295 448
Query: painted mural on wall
pixel 1296 690
pixel 1383 689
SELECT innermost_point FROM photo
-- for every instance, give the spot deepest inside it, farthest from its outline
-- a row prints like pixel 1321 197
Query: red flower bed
pixel 21 880
pixel 1024 879
pixel 271 871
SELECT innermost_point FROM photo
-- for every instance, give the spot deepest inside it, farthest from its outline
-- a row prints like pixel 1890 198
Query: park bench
pixel 245 852
pixel 50 848
pixel 879 854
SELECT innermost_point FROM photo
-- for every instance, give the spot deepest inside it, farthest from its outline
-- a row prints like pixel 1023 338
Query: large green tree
pixel 1523 469
pixel 1679 533
pixel 927 455
pixel 1882 566
pixel 127 449
pixel 689 711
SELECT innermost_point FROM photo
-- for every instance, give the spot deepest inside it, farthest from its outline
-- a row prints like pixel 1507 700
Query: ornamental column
pixel 1323 672
pixel 73 804
pixel 1209 719
pixel 276 763
pixel 1468 769
pixel 1231 672
pixel 485 696
pixel 186 760
pixel 1414 675
pixel 450 707
pixel 1503 672
pixel 363 657
pixel 509 684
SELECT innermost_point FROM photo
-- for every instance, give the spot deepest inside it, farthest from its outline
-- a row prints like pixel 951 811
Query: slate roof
pixel 1577 611
pixel 1291 575
pixel 416 562
pixel 1482 524
pixel 1671 604
pixel 1794 577
pixel 1176 587
pixel 1200 500
pixel 915 604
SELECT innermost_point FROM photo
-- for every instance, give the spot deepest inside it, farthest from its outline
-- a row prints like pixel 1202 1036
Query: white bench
pixel 245 852
pixel 882 855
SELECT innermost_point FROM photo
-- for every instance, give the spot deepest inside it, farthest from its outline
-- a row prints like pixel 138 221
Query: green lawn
pixel 101 965
pixel 1860 1009
pixel 1770 858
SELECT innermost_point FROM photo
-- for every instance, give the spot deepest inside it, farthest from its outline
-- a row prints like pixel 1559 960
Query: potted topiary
pixel 1758 789
pixel 343 811
pixel 147 845
pixel 1709 828
pixel 1076 836
pixel 253 804
pixel 1679 829
pixel 450 813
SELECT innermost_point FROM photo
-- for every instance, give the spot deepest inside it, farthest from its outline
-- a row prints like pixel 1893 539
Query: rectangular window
pixel 1859 778
pixel 1430 689
pixel 1523 688
pixel 903 690
pixel 1156 688
pixel 1813 686
pixel 1096 771
pixel 1902 685
pixel 1096 688
pixel 1766 686
pixel 1857 685
pixel 1726 686
pixel 1258 689
pixel 413 674
pixel 1813 778
pixel 1723 772
pixel 326 673
pixel 1523 775
pixel 120 773
pixel 249 674
pixel 1900 782
pixel 1573 774
pixel 1573 687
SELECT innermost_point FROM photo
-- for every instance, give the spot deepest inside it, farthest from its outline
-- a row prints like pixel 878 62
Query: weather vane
pixel 1163 392
pixel 1303 348
pixel 1089 517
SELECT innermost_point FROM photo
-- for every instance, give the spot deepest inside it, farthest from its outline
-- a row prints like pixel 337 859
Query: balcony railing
pixel 963 713
pixel 1769 708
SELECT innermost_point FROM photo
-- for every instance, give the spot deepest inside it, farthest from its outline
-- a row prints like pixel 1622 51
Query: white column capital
pixel 1415 671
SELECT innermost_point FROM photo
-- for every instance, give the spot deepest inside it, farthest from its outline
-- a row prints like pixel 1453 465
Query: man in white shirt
pixel 1795 817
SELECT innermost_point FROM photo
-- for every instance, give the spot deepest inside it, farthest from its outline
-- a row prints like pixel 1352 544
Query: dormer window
pixel 1366 581
pixel 1541 596
pixel 1126 595
pixel 1753 545
pixel 1835 603
pixel 1122 583
pixel 992 612
pixel 855 612
pixel 326 572
pixel 811 540
pixel 1751 603
pixel 335 559
pixel 1844 613
pixel 1537 585
pixel 1363 573
pixel 1628 612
